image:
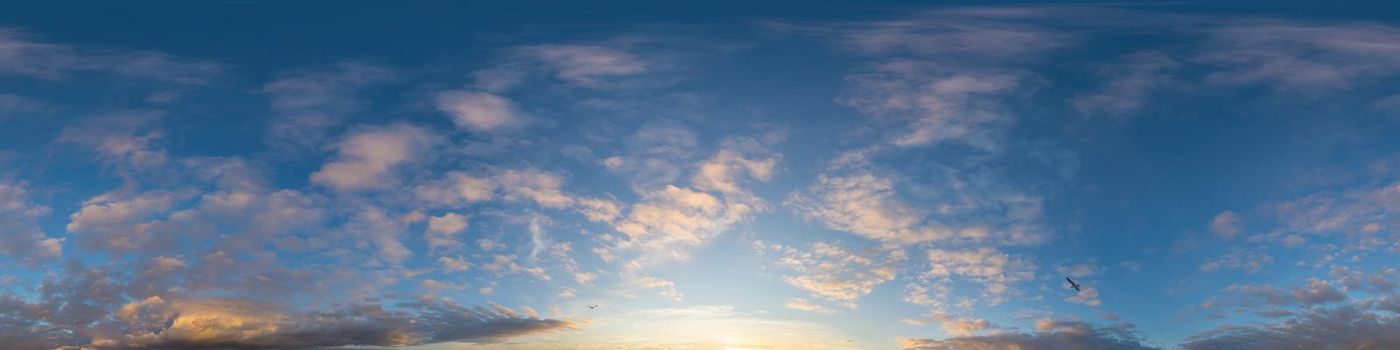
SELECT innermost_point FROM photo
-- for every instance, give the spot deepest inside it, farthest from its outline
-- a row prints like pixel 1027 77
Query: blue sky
pixel 712 176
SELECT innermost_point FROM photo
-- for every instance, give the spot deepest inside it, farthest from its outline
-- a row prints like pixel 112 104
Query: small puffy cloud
pixel 964 326
pixel 667 288
pixel 478 111
pixel 442 230
pixel 1087 296
pixel 367 159
pixel 454 264
pixel 1226 224
pixel 722 171
pixel 457 189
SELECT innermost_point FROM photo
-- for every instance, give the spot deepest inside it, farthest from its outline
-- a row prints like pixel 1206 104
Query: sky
pixel 699 175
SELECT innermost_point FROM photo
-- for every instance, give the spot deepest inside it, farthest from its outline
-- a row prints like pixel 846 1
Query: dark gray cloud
pixel 1347 327
pixel 87 307
pixel 76 318
pixel 1048 335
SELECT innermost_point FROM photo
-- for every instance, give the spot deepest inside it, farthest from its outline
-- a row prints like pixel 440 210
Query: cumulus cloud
pixel 121 222
pixel 1049 334
pixel 478 111
pixel 666 288
pixel 367 158
pixel 442 231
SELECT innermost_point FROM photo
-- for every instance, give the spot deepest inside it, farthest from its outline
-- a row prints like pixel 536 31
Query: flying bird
pixel 1072 284
pixel 591 307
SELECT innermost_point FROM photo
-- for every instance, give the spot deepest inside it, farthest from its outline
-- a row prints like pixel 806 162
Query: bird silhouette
pixel 591 307
pixel 1072 284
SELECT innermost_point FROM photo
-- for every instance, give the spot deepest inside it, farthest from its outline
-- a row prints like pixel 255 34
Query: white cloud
pixel 120 222
pixel 442 231
pixel 667 288
pixel 478 111
pixel 367 159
